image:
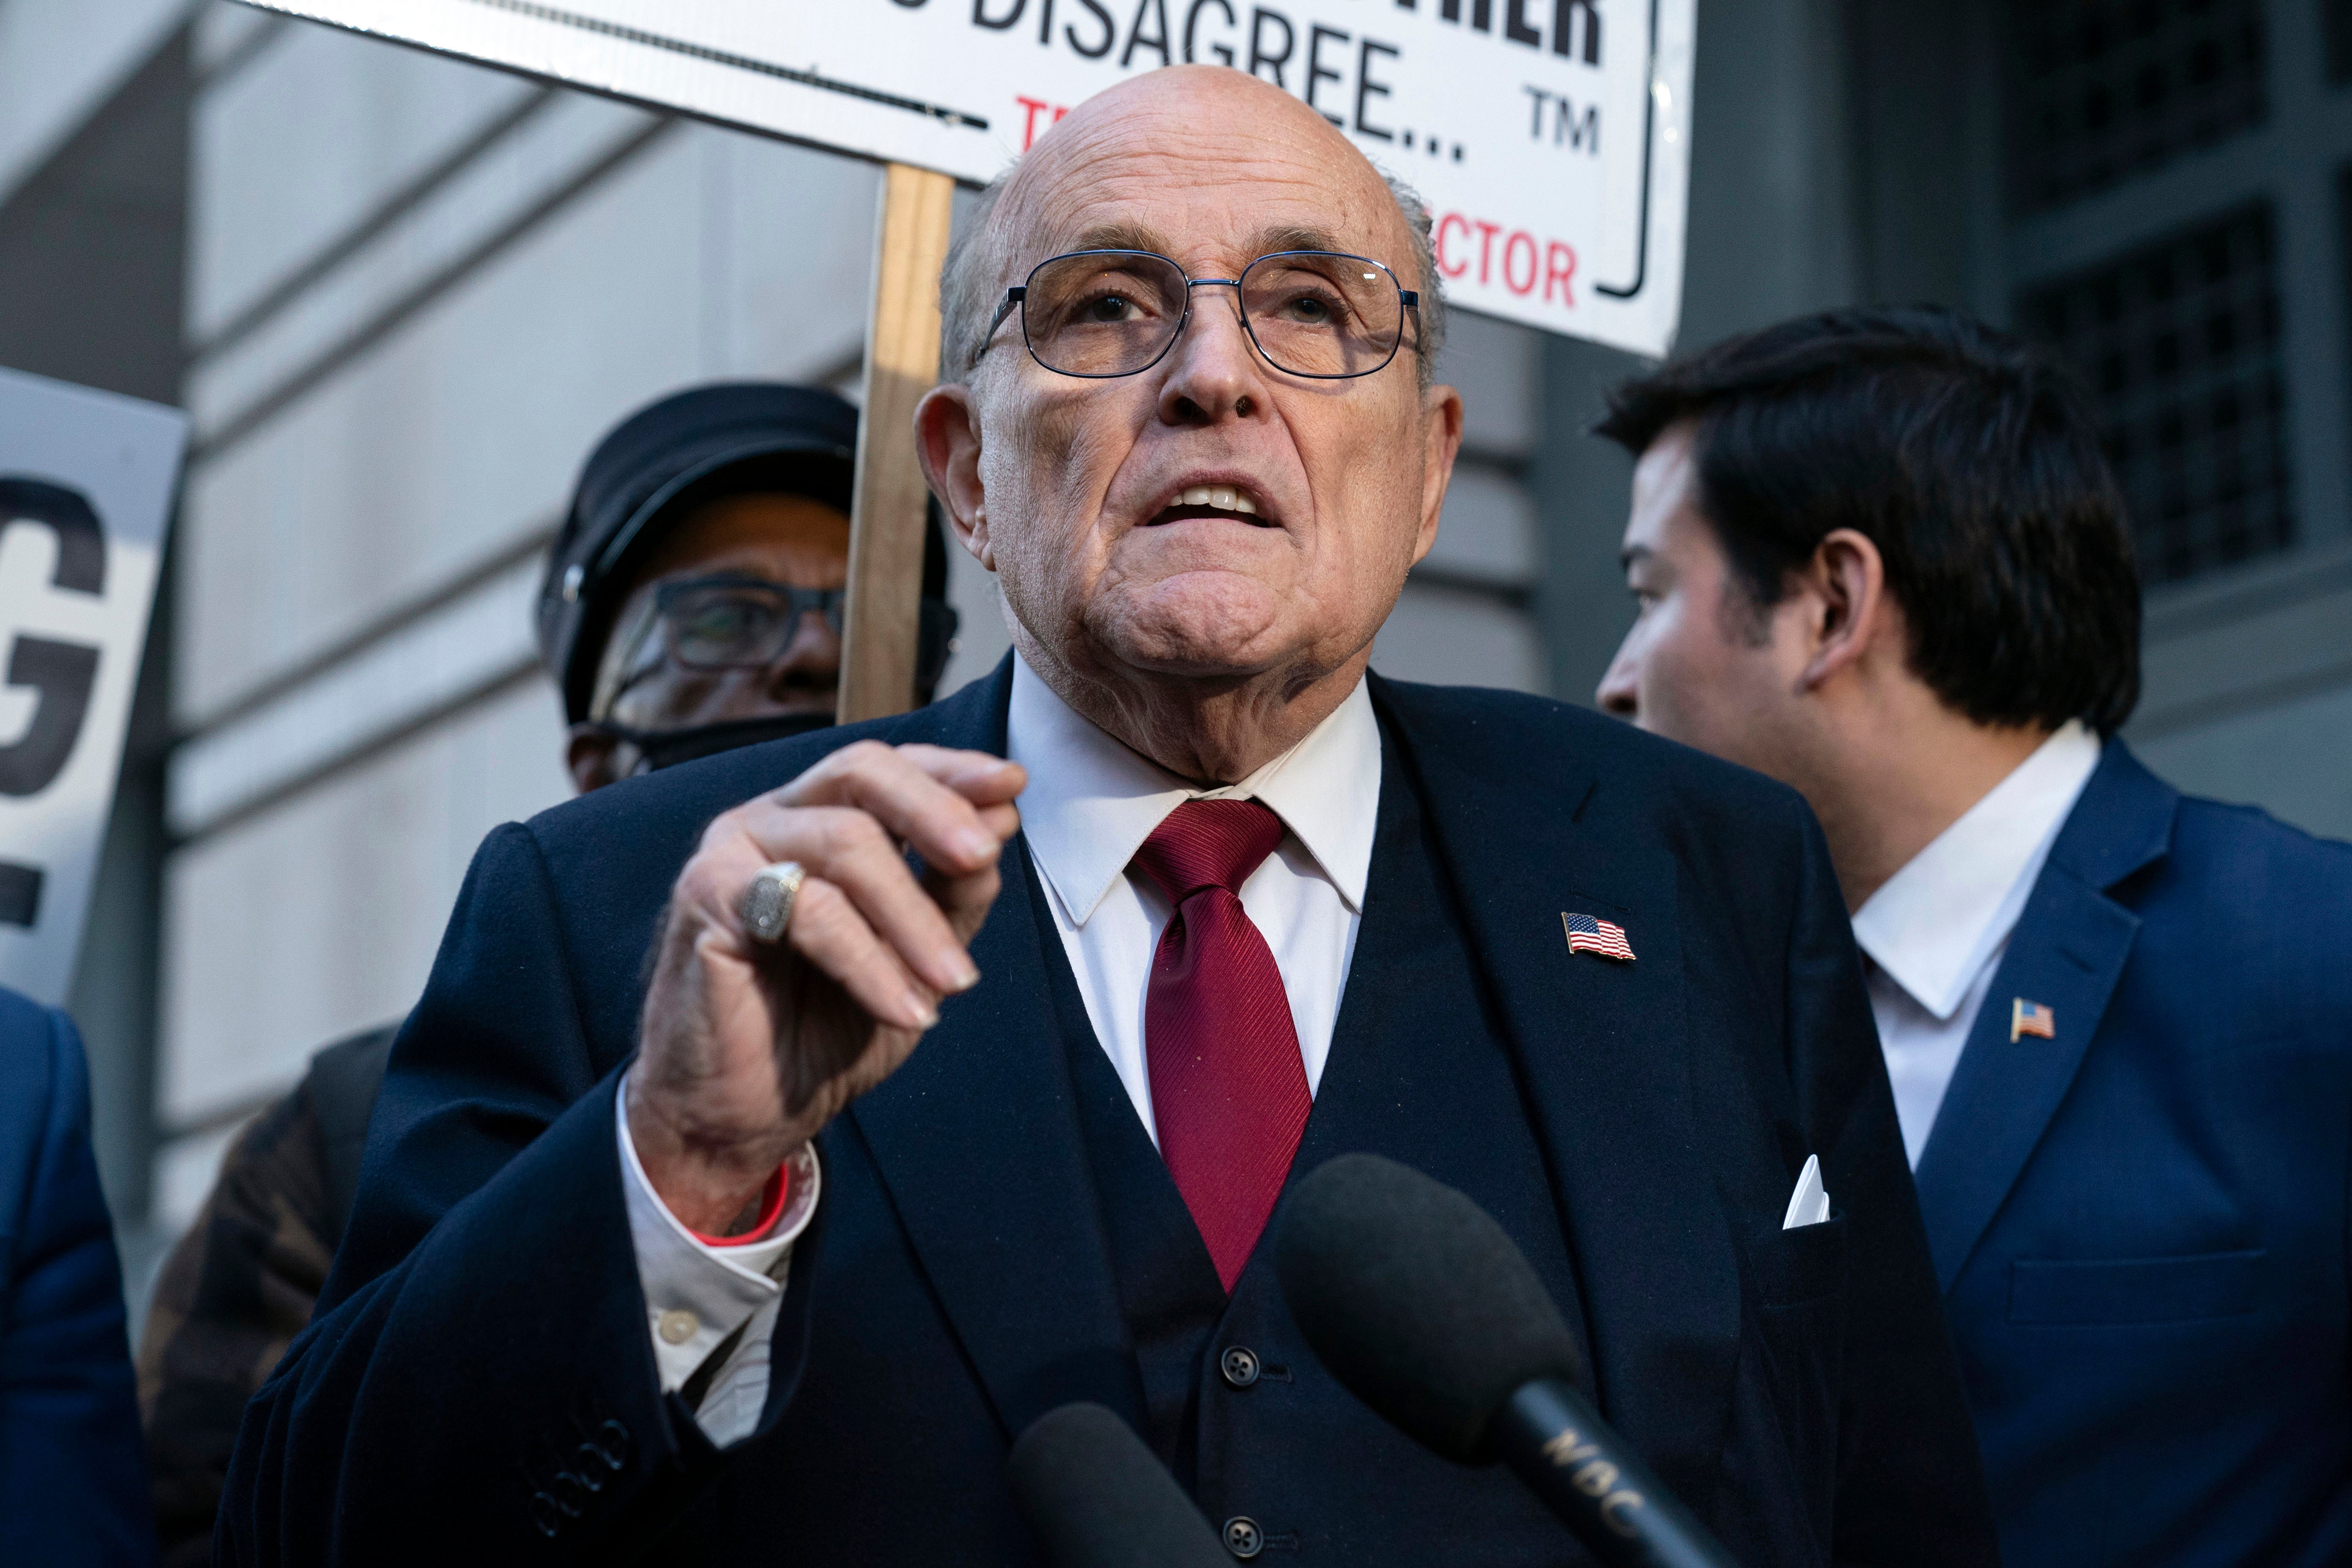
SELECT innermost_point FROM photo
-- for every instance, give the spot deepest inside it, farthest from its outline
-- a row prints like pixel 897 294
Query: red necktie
pixel 1228 1088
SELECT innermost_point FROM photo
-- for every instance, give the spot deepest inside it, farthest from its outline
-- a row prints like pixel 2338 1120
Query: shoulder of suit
pixel 20 1016
pixel 2250 828
pixel 1520 736
pixel 34 1055
pixel 2242 859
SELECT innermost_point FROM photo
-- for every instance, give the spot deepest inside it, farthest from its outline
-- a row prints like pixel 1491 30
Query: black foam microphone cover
pixel 1416 1301
pixel 1096 1496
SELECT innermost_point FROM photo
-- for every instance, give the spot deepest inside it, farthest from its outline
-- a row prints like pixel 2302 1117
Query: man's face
pixel 1702 665
pixel 782 539
pixel 1081 483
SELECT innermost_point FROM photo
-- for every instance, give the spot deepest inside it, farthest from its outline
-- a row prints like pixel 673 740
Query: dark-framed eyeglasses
pixel 1322 314
pixel 726 620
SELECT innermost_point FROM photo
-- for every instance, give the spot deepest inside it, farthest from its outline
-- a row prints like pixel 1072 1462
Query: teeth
pixel 1225 498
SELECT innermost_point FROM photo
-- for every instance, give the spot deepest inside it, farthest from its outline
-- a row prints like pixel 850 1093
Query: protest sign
pixel 1549 137
pixel 85 484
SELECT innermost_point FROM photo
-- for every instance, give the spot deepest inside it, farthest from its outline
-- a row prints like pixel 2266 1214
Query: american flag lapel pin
pixel 1606 938
pixel 2031 1018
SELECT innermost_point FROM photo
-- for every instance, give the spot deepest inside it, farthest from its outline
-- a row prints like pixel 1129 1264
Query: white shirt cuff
pixel 696 1294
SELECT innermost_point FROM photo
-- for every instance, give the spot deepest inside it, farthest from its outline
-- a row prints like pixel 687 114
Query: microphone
pixel 1096 1497
pixel 1423 1307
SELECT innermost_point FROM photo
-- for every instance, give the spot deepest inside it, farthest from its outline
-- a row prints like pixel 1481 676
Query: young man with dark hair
pixel 1880 556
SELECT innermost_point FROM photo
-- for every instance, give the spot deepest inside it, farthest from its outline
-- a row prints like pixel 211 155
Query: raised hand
pixel 746 1049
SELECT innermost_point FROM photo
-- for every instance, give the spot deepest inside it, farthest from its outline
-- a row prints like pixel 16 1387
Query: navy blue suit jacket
pixel 481 1360
pixel 73 1475
pixel 2141 1227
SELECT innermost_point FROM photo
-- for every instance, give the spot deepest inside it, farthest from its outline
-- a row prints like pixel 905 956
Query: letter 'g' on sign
pixel 59 674
pixel 85 485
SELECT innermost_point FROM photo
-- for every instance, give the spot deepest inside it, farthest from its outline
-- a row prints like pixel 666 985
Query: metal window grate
pixel 2108 88
pixel 2179 343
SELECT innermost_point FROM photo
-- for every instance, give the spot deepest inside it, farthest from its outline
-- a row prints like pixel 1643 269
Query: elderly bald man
pixel 779 1135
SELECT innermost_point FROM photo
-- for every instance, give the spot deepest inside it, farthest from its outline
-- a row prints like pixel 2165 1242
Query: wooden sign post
pixel 887 515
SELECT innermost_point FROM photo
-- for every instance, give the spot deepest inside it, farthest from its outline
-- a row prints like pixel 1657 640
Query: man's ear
pixel 1441 422
pixel 946 440
pixel 1848 610
pixel 588 754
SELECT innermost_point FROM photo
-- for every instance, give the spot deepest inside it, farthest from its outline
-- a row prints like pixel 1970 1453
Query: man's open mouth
pixel 1226 502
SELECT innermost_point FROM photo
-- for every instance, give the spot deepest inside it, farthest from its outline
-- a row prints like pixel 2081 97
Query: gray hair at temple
pixel 973 281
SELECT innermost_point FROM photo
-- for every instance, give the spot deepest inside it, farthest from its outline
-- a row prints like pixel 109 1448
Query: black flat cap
pixel 689 447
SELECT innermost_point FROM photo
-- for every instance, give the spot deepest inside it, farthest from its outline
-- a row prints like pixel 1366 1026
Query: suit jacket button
pixel 1239 1364
pixel 1243 1538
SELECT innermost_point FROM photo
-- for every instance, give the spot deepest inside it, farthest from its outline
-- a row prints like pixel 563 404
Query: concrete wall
pixel 61 60
pixel 2249 688
pixel 2248 670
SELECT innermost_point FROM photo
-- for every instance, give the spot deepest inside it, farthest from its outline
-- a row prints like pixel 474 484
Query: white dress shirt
pixel 696 1294
pixel 1092 801
pixel 1935 933
pixel 1090 804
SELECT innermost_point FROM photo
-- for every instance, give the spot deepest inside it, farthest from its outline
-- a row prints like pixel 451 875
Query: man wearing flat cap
pixel 780 1135
pixel 692 602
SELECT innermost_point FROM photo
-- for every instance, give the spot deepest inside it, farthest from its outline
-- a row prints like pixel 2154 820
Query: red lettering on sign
pixel 1445 227
pixel 1559 266
pixel 1528 261
pixel 1511 248
pixel 1032 107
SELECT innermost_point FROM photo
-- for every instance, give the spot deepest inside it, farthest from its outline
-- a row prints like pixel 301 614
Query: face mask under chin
pixel 659 749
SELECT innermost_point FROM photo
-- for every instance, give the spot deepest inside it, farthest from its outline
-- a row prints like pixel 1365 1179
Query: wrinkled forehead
pixel 1211 207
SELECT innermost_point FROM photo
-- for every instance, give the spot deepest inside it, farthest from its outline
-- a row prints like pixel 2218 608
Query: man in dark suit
pixel 1880 555
pixel 719 1209
pixel 73 1481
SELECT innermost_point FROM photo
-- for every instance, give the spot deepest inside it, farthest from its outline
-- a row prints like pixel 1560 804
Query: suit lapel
pixel 978 1143
pixel 2068 951
pixel 1603 1048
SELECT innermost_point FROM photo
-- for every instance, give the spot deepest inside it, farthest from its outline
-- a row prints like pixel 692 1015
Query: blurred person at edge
pixel 725 1208
pixel 691 604
pixel 73 1482
pixel 1879 555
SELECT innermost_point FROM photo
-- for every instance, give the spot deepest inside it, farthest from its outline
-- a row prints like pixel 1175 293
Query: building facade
pixel 402 296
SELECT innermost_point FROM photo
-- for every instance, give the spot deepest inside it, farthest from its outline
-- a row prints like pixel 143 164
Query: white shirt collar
pixel 1091 802
pixel 1936 922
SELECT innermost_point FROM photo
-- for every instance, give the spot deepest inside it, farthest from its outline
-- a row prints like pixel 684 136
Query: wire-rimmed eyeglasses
pixel 1318 313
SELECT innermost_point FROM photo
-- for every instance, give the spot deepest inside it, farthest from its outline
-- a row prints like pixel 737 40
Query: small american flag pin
pixel 1606 938
pixel 2031 1018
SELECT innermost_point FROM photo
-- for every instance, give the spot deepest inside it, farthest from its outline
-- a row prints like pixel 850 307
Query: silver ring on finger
pixel 768 901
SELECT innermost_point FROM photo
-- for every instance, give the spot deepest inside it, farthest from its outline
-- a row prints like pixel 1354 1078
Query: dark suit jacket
pixel 482 1350
pixel 2142 1226
pixel 73 1481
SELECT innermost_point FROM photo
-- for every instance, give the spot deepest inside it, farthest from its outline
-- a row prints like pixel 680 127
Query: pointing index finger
pixel 928 797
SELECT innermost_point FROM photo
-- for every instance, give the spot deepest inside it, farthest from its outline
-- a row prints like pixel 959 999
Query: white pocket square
pixel 1810 1203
